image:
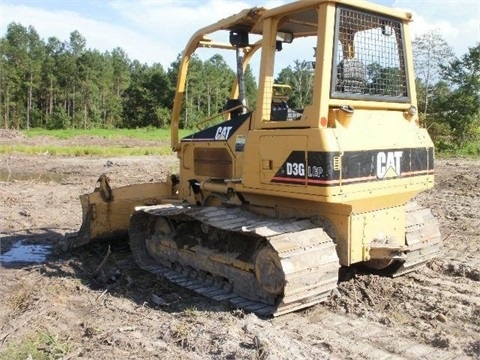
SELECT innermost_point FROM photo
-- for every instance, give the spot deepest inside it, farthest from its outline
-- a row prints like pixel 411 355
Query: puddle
pixel 37 176
pixel 25 253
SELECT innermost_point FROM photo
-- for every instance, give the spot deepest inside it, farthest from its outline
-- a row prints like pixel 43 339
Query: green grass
pixel 162 136
pixel 447 150
pixel 38 346
pixel 152 134
pixel 85 150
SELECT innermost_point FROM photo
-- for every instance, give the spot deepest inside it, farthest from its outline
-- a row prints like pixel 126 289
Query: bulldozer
pixel 270 203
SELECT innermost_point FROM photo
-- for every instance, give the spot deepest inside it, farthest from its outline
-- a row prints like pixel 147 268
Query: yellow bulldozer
pixel 269 203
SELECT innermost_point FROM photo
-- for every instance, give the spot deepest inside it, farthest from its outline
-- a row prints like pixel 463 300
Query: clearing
pixel 61 307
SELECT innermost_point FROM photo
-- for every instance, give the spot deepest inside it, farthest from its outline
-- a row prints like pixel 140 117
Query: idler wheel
pixel 160 228
pixel 269 272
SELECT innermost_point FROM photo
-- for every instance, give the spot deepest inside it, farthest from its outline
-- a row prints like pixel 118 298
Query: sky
pixel 156 31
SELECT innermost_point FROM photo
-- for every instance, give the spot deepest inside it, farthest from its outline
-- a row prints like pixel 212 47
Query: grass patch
pixel 85 150
pixel 469 150
pixel 21 299
pixel 162 136
pixel 150 134
pixel 445 148
pixel 38 346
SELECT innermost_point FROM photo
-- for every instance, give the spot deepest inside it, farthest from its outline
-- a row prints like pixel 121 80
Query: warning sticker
pixel 240 143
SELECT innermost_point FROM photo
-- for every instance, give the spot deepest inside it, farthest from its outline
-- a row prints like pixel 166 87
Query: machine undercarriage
pixel 264 265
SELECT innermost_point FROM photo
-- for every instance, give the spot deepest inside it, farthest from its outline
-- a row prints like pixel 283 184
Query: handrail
pixel 249 18
pixel 220 114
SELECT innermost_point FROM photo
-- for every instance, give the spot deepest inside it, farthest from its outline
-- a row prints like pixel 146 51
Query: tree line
pixel 448 90
pixel 62 84
pixel 58 84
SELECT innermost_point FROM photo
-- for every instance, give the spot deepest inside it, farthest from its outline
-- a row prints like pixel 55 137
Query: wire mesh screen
pixel 369 57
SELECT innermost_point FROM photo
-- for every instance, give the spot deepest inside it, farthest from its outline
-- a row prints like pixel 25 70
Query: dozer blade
pixel 107 211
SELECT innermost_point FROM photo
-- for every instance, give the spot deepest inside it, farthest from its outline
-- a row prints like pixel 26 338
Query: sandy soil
pixel 63 308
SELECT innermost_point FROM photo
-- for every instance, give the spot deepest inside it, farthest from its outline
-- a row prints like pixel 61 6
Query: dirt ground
pixel 64 308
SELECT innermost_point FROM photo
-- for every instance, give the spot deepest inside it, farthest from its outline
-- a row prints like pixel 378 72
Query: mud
pixel 66 306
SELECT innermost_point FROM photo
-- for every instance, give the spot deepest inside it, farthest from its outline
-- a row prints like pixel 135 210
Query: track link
pixel 271 267
pixel 422 236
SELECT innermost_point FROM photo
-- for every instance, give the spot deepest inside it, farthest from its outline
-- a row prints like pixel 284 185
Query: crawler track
pixel 422 236
pixel 263 265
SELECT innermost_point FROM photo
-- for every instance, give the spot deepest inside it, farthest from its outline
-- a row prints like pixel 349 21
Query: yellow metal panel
pixel 275 149
pixel 383 225
pixel 361 4
pixel 323 65
pixel 264 99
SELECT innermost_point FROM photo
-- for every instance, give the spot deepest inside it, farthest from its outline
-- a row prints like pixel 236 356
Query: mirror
pixel 284 37
pixel 239 38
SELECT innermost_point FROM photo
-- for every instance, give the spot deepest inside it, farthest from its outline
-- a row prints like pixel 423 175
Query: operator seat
pixel 279 110
pixel 352 76
pixel 234 107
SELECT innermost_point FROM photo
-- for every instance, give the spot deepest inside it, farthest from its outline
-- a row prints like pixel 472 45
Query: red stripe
pixel 333 182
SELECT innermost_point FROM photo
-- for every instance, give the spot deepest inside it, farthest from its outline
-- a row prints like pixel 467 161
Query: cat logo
pixel 223 133
pixel 389 164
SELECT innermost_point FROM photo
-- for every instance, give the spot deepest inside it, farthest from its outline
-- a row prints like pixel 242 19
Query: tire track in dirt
pixel 349 336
